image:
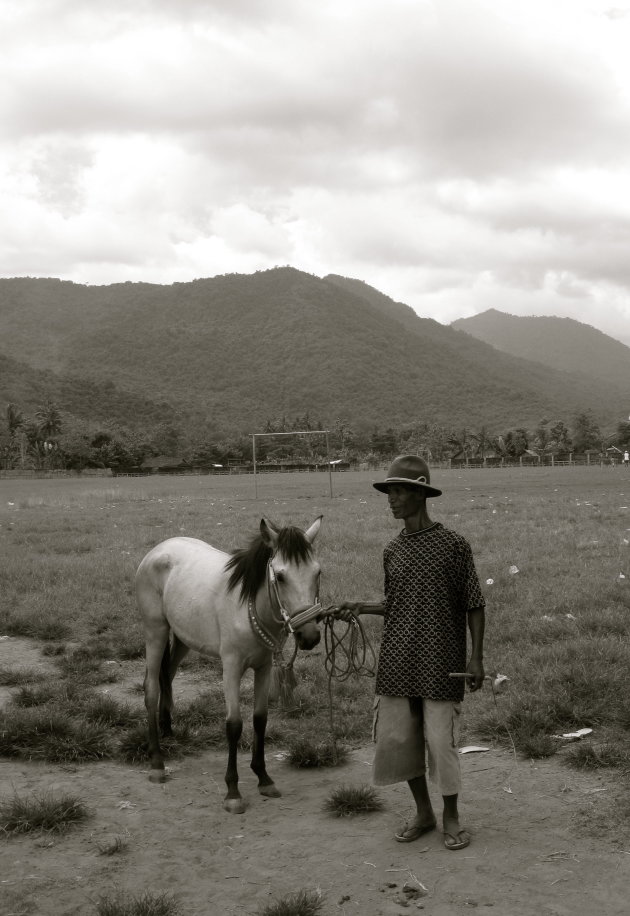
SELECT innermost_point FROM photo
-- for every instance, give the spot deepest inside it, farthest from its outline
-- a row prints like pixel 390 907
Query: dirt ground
pixel 528 853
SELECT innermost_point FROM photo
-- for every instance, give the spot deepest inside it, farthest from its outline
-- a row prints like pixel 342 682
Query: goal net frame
pixel 297 432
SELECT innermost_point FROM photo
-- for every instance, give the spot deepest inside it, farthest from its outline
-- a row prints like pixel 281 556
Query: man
pixel 431 591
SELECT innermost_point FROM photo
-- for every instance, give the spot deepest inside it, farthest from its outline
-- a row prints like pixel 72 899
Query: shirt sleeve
pixel 385 579
pixel 472 596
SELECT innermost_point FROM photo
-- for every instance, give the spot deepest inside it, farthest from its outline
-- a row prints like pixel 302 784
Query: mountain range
pixel 561 343
pixel 228 354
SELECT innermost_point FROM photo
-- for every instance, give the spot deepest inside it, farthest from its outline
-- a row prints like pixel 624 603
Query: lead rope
pixel 346 655
pixel 357 655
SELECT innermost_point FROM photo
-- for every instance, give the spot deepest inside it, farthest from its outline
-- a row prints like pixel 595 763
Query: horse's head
pixel 294 578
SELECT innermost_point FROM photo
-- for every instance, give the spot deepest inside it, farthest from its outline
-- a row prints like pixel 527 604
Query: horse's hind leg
pixel 157 647
pixel 266 785
pixel 168 670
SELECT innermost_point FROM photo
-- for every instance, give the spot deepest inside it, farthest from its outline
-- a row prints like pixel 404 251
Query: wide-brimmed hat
pixel 412 471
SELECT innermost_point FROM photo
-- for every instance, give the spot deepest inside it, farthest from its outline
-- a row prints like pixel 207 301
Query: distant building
pixel 165 464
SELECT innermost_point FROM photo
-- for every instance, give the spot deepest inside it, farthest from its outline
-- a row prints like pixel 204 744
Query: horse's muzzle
pixel 307 637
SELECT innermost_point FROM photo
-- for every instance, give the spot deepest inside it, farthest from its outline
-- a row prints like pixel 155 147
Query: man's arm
pixel 476 626
pixel 348 609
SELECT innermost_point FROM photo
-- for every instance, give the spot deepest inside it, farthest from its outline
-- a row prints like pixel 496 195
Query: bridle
pixel 292 622
pixel 288 622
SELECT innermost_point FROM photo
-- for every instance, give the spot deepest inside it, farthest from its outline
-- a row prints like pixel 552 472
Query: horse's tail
pixel 166 684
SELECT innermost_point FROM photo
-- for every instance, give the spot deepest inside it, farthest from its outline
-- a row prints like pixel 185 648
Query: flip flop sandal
pixel 409 834
pixel 458 843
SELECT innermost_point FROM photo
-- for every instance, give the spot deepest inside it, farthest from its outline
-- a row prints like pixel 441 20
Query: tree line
pixel 52 439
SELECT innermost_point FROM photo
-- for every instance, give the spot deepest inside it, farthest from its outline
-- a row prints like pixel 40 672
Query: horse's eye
pixel 280 576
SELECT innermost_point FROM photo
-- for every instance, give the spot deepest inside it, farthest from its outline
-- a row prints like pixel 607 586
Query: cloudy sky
pixel 456 154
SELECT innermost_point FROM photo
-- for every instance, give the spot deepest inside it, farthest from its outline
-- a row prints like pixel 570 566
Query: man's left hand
pixel 476 675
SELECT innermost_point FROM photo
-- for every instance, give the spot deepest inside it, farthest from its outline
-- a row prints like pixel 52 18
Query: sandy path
pixel 526 856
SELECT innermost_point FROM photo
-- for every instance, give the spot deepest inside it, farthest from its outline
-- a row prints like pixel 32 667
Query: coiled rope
pixel 349 652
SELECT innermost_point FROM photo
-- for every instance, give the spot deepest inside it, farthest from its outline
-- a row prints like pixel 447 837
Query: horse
pixel 239 607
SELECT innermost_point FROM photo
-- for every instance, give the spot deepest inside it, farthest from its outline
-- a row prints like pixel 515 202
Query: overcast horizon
pixel 456 155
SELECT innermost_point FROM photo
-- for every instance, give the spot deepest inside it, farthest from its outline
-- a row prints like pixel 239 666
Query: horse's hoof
pixel 157 776
pixel 235 805
pixel 271 791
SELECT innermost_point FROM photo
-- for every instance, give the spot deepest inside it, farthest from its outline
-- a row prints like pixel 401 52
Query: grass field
pixel 552 553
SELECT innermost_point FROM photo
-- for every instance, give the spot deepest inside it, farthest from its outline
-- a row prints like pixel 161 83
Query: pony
pixel 239 607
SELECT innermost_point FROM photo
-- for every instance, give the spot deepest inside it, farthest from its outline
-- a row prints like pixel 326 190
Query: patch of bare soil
pixel 527 855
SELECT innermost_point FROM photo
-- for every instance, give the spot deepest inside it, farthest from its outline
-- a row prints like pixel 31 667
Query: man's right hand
pixel 347 610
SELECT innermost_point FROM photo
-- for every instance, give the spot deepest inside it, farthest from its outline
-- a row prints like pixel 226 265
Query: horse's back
pixel 180 552
pixel 183 582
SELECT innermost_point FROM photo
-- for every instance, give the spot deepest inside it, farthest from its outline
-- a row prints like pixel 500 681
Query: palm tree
pixel 49 420
pixel 14 420
pixel 15 426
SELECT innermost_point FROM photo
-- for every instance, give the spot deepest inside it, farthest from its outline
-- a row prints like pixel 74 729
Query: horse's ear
pixel 269 533
pixel 311 532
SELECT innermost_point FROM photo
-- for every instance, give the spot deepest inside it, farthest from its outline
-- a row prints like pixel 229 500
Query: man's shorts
pixel 406 731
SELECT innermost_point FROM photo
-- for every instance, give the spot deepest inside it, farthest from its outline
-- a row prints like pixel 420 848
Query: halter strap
pixel 288 623
pixel 261 631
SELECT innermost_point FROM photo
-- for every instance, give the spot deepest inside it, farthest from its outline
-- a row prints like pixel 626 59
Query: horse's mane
pixel 249 564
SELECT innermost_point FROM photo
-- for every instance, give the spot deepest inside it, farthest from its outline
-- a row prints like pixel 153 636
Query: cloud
pixel 455 155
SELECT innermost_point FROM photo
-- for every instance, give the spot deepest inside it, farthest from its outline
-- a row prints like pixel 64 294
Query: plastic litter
pixel 574 736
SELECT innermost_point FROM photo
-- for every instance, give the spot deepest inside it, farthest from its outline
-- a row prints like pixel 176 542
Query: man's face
pixel 404 502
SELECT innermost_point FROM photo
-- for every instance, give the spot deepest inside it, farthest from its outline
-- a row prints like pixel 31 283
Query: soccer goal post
pixel 299 432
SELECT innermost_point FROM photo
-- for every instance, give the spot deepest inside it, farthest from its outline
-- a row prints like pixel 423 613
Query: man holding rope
pixel 431 592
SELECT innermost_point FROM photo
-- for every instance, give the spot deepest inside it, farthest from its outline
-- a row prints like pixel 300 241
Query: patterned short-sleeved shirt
pixel 430 584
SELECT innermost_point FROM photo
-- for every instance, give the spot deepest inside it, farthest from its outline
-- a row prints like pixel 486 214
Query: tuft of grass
pixel 129 648
pixel 16 677
pixel 303 903
pixel 347 800
pixel 537 746
pixel 134 748
pixel 607 755
pixel 205 710
pixel 304 753
pixel 35 627
pixel 101 709
pixel 41 734
pixel 45 812
pixel 65 696
pixel 122 903
pixel 27 697
pixel 54 649
pixel 113 846
pixel 80 666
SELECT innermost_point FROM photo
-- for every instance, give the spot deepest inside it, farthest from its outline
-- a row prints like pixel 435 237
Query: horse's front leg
pixel 266 785
pixel 233 728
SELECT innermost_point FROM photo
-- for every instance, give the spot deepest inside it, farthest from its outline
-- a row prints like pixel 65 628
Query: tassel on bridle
pixel 283 681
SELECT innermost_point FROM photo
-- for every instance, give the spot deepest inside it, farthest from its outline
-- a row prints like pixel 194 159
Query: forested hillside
pixel 561 343
pixel 99 402
pixel 234 351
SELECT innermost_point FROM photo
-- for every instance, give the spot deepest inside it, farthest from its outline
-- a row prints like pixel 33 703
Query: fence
pixel 44 473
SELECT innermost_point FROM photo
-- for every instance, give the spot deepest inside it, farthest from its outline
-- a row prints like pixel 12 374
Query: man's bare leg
pixel 454 836
pixel 424 821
